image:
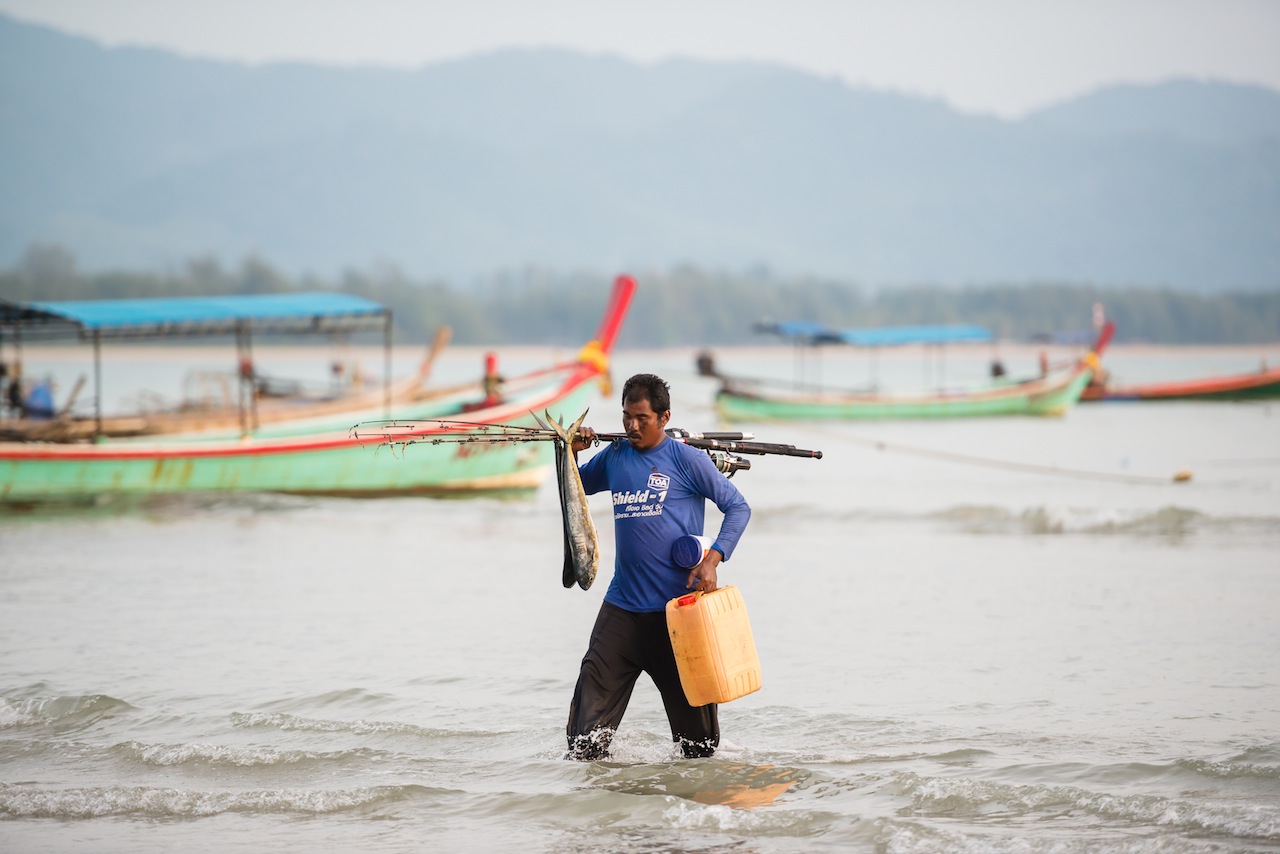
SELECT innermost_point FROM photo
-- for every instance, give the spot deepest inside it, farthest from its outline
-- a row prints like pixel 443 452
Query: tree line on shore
pixel 684 306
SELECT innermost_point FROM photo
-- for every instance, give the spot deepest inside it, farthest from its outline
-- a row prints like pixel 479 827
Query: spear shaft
pixel 465 432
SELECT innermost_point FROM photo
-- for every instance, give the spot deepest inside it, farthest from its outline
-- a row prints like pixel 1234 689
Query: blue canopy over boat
pixel 813 332
pixel 884 336
pixel 809 331
pixel 298 312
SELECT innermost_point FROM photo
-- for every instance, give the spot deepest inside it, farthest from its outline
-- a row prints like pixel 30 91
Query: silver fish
pixel 581 545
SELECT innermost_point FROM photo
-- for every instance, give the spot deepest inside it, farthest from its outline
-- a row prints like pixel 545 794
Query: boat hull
pixel 1047 397
pixel 317 463
pixel 1257 386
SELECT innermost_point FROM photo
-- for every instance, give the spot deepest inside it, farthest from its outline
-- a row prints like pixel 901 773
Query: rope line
pixel 991 462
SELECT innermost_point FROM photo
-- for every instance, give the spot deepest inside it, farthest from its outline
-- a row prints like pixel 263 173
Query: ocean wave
pixel 973 799
pixel 906 837
pixel 166 507
pixel 343 698
pixel 1168 522
pixel 62 712
pixel 729 818
pixel 294 723
pixel 99 802
pixel 1260 763
pixel 240 757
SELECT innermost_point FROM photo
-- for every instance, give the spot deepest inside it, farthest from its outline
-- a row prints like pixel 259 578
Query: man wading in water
pixel 659 488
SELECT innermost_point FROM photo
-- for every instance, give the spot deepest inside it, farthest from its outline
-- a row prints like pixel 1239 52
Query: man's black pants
pixel 624 644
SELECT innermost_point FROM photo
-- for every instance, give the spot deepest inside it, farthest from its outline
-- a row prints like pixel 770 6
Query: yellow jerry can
pixel 715 652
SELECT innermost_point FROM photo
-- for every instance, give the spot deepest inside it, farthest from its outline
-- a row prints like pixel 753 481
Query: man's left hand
pixel 703 576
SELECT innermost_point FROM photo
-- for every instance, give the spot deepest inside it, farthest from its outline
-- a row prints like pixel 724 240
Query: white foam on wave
pixel 1232 769
pixel 685 815
pixel 12 715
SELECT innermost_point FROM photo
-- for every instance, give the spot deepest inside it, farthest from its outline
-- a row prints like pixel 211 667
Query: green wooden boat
pixel 1052 394
pixel 320 456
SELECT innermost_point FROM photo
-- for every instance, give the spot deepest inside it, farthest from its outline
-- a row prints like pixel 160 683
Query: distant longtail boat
pixel 1262 384
pixel 1051 394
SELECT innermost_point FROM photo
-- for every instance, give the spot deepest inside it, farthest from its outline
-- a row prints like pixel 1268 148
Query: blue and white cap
pixel 689 550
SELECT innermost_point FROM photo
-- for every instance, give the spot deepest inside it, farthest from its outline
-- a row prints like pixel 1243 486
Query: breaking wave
pixel 973 799
pixel 1261 763
pixel 287 723
pixel 240 757
pixel 98 802
pixel 60 712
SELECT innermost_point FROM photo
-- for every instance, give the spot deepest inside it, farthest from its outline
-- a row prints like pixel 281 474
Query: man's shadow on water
pixel 713 782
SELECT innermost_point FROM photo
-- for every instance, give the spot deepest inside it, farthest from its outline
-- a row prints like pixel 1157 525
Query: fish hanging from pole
pixel 581 545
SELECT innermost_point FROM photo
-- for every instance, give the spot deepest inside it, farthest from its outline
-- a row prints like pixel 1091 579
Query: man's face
pixel 643 426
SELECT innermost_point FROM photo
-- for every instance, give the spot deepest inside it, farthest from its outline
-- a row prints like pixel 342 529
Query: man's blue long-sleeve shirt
pixel 659 496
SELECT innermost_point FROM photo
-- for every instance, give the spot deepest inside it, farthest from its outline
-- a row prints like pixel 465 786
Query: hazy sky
pixel 995 56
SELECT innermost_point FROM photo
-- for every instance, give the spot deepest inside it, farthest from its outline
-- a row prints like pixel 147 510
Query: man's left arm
pixel 737 513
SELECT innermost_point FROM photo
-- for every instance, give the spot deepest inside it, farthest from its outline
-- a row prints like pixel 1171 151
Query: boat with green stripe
pixel 319 456
pixel 1048 395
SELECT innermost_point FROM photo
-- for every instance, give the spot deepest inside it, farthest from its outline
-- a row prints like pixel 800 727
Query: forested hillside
pixel 686 306
pixel 137 159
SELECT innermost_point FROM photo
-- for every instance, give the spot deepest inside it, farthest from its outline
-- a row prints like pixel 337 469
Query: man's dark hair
pixel 648 387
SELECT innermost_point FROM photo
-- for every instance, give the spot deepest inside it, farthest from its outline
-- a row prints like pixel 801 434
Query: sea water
pixel 992 635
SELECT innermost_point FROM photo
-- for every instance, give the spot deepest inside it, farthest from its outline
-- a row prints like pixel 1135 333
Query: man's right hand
pixel 585 439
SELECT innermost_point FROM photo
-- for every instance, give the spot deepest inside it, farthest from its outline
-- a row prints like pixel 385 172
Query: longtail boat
pixel 318 455
pixel 1263 383
pixel 1053 393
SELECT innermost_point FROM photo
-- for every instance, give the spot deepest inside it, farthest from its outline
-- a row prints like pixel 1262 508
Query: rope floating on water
pixel 1183 476
pixel 1010 465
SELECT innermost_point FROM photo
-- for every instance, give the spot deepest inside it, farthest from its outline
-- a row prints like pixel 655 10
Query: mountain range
pixel 139 158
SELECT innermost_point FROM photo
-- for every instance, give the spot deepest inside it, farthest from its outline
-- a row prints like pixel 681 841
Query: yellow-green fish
pixel 581 545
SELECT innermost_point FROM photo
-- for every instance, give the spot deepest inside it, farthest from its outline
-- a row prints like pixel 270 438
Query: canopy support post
pixel 17 368
pixel 386 372
pixel 243 367
pixel 97 386
pixel 253 377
